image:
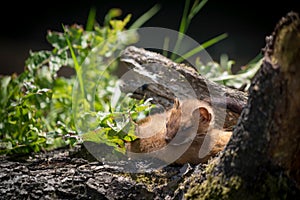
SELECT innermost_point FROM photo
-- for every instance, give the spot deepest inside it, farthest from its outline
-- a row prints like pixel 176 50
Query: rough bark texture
pixel 61 174
pixel 262 158
pixel 261 161
pixel 285 134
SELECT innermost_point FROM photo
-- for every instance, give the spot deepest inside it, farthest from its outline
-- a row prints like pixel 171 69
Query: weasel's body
pixel 184 134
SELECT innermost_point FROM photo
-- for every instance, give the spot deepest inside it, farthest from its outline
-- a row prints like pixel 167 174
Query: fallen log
pixel 155 76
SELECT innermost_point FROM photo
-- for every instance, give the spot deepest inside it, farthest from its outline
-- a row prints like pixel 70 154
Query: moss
pixel 151 181
pixel 267 185
pixel 214 187
pixel 211 165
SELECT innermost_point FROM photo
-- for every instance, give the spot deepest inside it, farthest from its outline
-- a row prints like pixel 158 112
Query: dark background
pixel 24 25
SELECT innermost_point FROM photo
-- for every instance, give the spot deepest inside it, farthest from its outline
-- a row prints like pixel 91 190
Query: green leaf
pixel 4 93
pixel 57 40
pixel 119 25
pixel 95 136
pixel 112 13
pixel 91 19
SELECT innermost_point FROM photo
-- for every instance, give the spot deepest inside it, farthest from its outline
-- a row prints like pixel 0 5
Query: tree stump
pixel 262 159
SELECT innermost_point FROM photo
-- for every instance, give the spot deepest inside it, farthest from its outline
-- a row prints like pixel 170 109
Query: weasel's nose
pixel 168 139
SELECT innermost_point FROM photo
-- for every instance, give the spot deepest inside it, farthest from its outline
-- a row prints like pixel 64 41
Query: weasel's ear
pixel 176 103
pixel 173 121
pixel 205 115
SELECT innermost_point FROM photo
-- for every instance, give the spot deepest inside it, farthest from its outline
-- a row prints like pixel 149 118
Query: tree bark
pixel 262 159
pixel 65 174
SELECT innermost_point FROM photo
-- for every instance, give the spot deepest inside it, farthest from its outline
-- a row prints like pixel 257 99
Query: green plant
pixel 222 72
pixel 189 12
pixel 36 106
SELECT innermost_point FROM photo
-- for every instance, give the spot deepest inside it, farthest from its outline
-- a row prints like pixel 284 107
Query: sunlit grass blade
pixel 214 40
pixel 186 19
pixel 183 23
pixel 201 47
pixel 145 17
pixel 77 67
pixel 196 8
pixel 182 28
pixel 91 19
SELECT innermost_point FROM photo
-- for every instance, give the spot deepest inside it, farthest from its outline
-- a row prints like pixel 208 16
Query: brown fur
pixel 178 132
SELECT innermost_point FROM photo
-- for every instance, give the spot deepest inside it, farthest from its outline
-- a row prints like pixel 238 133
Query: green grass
pixel 189 12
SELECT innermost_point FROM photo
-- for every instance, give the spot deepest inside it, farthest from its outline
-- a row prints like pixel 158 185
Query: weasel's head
pixel 188 118
pixel 173 121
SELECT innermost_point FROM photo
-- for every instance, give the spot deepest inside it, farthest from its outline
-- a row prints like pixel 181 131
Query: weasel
pixel 183 134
